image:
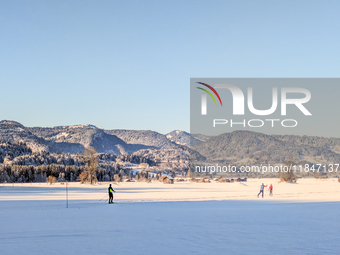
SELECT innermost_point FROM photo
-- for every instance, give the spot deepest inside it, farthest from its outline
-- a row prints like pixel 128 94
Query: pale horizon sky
pixel 128 64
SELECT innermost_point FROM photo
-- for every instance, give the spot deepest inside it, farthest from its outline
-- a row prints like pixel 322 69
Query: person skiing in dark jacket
pixel 111 190
pixel 261 190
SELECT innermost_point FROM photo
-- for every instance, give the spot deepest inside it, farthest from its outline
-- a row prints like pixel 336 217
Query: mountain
pixel 184 138
pixel 201 138
pixel 257 147
pixel 69 139
pixel 73 139
pixel 179 137
pixel 237 147
pixel 143 138
pixel 11 131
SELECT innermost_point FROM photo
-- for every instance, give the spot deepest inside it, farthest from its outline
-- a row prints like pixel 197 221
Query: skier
pixel 261 190
pixel 111 190
pixel 270 190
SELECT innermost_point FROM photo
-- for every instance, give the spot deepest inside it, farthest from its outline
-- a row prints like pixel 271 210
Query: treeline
pixel 67 159
pixel 19 165
pixel 23 174
pixel 13 150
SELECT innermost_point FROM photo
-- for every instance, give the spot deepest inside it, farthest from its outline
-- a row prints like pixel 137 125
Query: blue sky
pixel 128 64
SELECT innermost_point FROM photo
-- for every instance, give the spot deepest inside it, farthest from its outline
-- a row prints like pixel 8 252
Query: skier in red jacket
pixel 270 190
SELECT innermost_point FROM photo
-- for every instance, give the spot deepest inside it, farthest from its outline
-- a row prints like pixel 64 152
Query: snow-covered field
pixel 306 190
pixel 34 219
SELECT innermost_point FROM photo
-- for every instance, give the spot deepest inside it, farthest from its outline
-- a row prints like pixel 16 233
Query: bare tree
pixel 289 175
pixel 51 180
pixel 91 162
pixel 188 173
pixel 117 178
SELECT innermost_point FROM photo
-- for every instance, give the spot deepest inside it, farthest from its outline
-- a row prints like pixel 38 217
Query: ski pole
pixel 102 198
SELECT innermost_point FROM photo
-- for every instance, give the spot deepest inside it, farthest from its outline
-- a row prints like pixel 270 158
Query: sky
pixel 128 64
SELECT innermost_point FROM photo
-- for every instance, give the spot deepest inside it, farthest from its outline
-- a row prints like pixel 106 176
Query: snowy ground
pixel 306 190
pixel 34 220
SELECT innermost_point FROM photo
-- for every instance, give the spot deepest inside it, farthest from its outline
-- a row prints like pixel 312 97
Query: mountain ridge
pixel 236 146
pixel 257 147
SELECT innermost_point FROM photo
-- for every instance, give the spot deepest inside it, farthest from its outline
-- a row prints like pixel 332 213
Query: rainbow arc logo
pixel 209 93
